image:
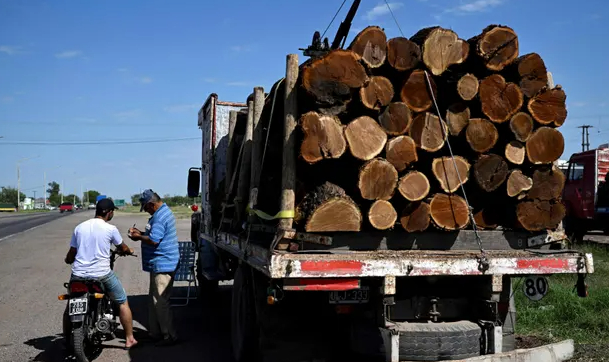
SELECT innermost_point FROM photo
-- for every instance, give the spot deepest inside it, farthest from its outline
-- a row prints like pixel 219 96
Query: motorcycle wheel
pixel 84 349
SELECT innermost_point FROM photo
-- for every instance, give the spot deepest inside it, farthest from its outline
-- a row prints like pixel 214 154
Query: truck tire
pixel 439 341
pixel 244 327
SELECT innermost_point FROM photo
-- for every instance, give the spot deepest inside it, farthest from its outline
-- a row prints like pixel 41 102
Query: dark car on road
pixel 66 206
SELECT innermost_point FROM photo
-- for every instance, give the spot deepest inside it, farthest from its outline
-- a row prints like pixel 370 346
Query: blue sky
pixel 116 70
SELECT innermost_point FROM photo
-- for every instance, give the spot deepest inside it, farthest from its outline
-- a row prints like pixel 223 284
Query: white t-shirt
pixel 92 240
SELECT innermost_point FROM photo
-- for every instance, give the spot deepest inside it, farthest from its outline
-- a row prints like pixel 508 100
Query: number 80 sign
pixel 535 287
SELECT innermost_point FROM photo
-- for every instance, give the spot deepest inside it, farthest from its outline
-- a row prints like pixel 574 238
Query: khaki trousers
pixel 160 317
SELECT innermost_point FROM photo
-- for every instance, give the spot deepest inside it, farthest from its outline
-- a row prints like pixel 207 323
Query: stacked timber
pixel 432 131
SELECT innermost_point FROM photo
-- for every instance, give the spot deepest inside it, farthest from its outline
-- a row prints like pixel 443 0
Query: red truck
pixel 586 192
pixel 66 206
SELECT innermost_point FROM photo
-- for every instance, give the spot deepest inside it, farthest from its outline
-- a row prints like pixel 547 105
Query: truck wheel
pixel 244 328
pixel 439 341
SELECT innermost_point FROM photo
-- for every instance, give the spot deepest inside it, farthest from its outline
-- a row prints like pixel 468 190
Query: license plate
pixel 354 296
pixel 78 306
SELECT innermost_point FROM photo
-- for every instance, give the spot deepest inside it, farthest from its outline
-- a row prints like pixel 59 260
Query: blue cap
pixel 145 198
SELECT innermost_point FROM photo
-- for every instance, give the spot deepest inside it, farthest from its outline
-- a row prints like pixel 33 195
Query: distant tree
pixel 91 196
pixel 71 198
pixel 135 199
pixel 53 191
pixel 8 195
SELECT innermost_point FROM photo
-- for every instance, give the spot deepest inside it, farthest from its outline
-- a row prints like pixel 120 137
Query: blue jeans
pixel 112 285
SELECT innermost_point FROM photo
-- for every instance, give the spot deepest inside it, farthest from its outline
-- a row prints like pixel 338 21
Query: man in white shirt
pixel 89 255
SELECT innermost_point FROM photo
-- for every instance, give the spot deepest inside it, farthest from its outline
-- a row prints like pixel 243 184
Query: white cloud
pixel 178 108
pixel 579 104
pixel 476 6
pixel 209 80
pixel 68 54
pixel 241 48
pixel 11 50
pixel 7 99
pixel 381 10
pixel 145 80
pixel 238 84
pixel 128 114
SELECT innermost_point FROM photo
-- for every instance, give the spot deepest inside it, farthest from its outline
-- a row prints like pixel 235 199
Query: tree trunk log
pixel 401 152
pixel 531 74
pixel 415 91
pixel 549 107
pixel 382 215
pixel 396 119
pixel 539 215
pixel 457 117
pixel 377 180
pixel 481 135
pixel 487 218
pixel 500 100
pixel 371 46
pixel 449 212
pixel 496 46
pixel 521 125
pixel 441 48
pixel 414 186
pixel 545 146
pixel 365 137
pixel 328 209
pixel 415 217
pixel 490 172
pixel 444 170
pixel 548 184
pixel 377 93
pixel 428 132
pixel 331 78
pixel 518 183
pixel 403 54
pixel 467 87
pixel 515 152
pixel 323 137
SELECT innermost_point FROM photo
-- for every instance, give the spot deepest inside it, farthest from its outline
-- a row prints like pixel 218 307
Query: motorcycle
pixel 90 317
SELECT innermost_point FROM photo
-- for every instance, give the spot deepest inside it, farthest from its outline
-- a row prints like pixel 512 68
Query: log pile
pixel 377 119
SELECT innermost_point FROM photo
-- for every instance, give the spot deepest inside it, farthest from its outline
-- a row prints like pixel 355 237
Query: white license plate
pixel 78 306
pixel 354 296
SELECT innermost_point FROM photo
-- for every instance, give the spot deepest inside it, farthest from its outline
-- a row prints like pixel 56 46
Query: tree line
pixel 8 195
pixel 175 200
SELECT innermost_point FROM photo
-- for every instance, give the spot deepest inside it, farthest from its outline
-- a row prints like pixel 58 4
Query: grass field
pixel 180 212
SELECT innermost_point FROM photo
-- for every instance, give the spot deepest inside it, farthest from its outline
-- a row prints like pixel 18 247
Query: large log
pixel 441 48
pixel 377 180
pixel 414 186
pixel 457 118
pixel 327 208
pixel 500 99
pixel 403 54
pixel 401 152
pixel 449 212
pixel 428 131
pixel 530 72
pixel 415 91
pixel 377 93
pixel 365 137
pixel 548 184
pixel 451 179
pixel 371 46
pixel 496 47
pixel 330 79
pixel 415 217
pixel 549 107
pixel 396 118
pixel 515 152
pixel 518 183
pixel 481 135
pixel 487 218
pixel 382 215
pixel 521 125
pixel 323 137
pixel 540 215
pixel 490 171
pixel 467 87
pixel 545 146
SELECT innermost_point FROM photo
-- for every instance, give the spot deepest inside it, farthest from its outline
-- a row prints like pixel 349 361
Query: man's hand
pixel 134 234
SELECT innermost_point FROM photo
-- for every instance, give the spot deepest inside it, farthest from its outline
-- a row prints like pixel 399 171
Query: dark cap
pixel 145 198
pixel 105 205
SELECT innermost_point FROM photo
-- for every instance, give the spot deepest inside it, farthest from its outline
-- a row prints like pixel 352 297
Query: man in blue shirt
pixel 160 256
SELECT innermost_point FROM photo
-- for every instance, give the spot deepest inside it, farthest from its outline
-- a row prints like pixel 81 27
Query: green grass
pixel 562 314
pixel 180 212
pixel 32 211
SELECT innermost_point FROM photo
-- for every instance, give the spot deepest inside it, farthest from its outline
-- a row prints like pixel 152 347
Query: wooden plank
pixel 288 175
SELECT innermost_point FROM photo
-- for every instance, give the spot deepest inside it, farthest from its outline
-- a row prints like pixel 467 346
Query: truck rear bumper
pixel 561 351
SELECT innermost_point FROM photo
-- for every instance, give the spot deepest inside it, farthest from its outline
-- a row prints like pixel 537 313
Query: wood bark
pixel 449 212
pixel 403 54
pixel 382 215
pixel 377 180
pixel 396 119
pixel 327 208
pixel 521 125
pixel 467 87
pixel 500 99
pixel 441 48
pixel 290 114
pixel 518 183
pixel 450 179
pixel 371 46
pixel 457 118
pixel 515 152
pixel 428 131
pixel 549 107
pixel 548 184
pixel 540 215
pixel 323 137
pixel 490 171
pixel 545 146
pixel 401 152
pixel 531 74
pixel 377 93
pixel 365 137
pixel 414 186
pixel 416 91
pixel 481 135
pixel 496 47
pixel 415 217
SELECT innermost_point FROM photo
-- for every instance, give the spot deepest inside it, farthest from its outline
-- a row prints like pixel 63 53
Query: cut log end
pixel 396 119
pixel 549 107
pixel 371 46
pixel 545 146
pixel 415 91
pixel 428 132
pixel 533 74
pixel 323 137
pixel 365 137
pixel 518 183
pixel 548 184
pixel 337 214
pixel 467 87
pixel 441 48
pixel 382 215
pixel 481 135
pixel 500 99
pixel 451 179
pixel 377 93
pixel 377 180
pixel 539 215
pixel 490 172
pixel 415 217
pixel 521 125
pixel 515 152
pixel 414 186
pixel 497 46
pixel 403 54
pixel 487 218
pixel 449 212
pixel 401 152
pixel 457 118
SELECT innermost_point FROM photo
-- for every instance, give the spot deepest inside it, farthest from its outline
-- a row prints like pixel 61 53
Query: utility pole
pixel 34 199
pixel 585 137
pixel 61 191
pixel 19 179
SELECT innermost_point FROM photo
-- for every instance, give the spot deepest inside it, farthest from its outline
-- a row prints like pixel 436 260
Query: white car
pixel 91 207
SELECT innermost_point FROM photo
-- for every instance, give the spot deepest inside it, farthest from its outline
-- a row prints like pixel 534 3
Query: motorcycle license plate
pixel 78 306
pixel 354 296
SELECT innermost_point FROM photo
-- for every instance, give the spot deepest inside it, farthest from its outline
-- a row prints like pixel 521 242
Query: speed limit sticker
pixel 535 287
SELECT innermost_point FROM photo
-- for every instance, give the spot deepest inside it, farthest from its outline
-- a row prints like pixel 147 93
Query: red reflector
pixel 78 287
pixel 336 267
pixel 322 284
pixel 344 309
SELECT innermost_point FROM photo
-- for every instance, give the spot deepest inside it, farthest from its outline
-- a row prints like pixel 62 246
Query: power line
pixel 97 142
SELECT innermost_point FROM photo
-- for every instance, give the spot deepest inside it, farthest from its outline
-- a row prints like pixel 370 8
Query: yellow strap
pixel 285 214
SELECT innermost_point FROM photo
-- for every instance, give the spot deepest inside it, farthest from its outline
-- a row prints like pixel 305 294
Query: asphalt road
pixel 11 224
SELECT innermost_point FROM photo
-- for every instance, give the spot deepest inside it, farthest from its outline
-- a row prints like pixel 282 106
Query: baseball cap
pixel 105 205
pixel 145 198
